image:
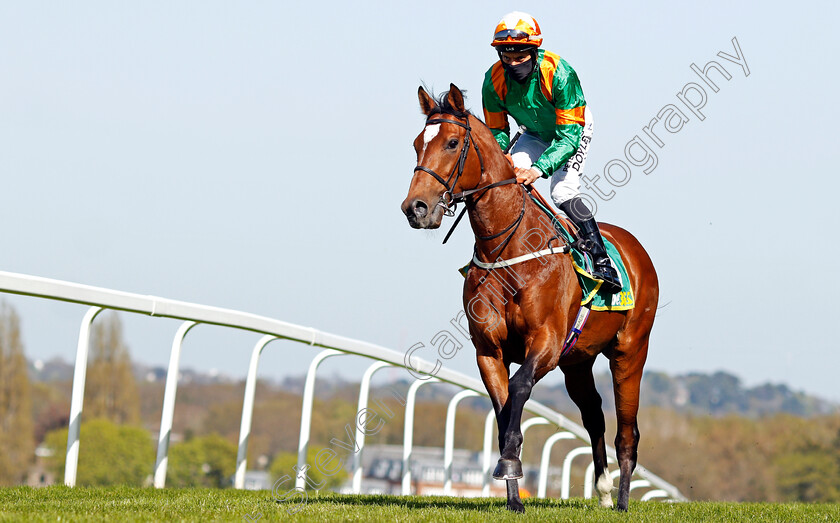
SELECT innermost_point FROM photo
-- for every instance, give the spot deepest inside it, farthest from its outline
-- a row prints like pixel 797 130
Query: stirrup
pixel 583 245
pixel 611 284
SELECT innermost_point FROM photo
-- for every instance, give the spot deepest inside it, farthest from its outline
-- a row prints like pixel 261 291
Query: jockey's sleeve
pixel 492 94
pixel 569 106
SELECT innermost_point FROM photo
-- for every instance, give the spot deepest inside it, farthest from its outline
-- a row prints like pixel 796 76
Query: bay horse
pixel 535 305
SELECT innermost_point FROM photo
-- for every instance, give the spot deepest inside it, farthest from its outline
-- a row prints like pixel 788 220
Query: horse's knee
pixel 520 385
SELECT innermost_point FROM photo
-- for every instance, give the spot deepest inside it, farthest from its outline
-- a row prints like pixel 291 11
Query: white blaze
pixel 428 135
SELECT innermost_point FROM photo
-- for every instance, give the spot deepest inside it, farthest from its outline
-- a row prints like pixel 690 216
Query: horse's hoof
pixel 508 469
pixel 516 506
pixel 623 502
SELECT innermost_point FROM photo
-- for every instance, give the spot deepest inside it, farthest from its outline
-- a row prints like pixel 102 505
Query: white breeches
pixel 565 181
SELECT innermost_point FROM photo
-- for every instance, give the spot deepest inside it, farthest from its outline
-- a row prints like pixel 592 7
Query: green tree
pixel 111 391
pixel 284 464
pixel 206 461
pixel 109 454
pixel 809 476
pixel 16 436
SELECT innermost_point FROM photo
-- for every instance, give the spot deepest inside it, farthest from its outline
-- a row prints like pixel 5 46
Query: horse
pixel 536 305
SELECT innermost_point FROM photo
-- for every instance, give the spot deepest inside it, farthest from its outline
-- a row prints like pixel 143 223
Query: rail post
pixel 546 457
pixel 77 398
pixel 657 493
pixel 487 456
pixel 306 414
pixel 565 484
pixel 168 411
pixel 248 411
pixel 364 393
pixel 532 422
pixel 408 432
pixel 449 438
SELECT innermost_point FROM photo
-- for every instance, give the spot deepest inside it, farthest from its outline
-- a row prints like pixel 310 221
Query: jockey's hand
pixel 527 176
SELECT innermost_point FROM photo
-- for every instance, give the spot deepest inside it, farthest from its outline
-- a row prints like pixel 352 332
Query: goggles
pixel 513 34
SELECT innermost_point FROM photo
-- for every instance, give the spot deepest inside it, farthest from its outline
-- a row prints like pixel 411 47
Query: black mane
pixel 444 107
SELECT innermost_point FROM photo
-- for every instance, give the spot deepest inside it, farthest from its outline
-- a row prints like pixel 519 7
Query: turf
pixel 137 504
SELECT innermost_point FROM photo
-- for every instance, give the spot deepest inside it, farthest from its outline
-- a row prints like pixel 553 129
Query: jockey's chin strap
pixel 449 200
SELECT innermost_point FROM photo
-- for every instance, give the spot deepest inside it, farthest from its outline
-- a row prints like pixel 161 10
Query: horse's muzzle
pixel 420 216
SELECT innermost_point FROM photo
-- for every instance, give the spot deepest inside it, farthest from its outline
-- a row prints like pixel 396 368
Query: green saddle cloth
pixel 602 300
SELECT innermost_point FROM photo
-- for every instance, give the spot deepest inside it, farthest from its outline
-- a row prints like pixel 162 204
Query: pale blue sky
pixel 254 156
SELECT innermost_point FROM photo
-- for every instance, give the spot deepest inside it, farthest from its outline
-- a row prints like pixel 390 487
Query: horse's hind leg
pixel 627 376
pixel 581 387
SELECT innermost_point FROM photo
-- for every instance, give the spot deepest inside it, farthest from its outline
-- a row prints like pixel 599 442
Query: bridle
pixel 449 200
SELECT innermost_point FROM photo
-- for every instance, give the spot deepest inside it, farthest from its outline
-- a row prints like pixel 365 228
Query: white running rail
pixel 192 314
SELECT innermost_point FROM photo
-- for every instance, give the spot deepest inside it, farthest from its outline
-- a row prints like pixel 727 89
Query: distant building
pixel 39 475
pixel 257 480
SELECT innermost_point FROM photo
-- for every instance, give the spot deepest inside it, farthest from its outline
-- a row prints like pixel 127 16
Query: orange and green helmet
pixel 517 31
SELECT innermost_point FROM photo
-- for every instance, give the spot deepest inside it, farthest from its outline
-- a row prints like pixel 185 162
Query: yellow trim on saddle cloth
pixel 628 299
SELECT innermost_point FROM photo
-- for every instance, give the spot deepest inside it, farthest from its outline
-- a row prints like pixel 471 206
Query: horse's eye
pixel 453 143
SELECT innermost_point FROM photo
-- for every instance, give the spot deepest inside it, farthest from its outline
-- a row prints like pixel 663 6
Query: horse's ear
pixel 456 98
pixel 427 103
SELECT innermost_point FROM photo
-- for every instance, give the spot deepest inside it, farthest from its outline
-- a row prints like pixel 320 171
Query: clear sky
pixel 253 155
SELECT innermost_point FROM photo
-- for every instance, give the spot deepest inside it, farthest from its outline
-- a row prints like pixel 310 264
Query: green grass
pixel 136 504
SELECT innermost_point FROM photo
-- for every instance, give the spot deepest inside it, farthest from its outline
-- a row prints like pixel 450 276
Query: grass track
pixel 137 504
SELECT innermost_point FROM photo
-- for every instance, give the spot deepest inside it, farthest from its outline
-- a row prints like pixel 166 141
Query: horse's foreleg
pixel 510 439
pixel 580 385
pixel 627 376
pixel 494 374
pixel 509 466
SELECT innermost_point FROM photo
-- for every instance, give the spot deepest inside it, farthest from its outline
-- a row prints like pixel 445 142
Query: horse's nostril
pixel 420 208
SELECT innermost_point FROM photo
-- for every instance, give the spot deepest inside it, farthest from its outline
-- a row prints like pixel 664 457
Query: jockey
pixel 542 92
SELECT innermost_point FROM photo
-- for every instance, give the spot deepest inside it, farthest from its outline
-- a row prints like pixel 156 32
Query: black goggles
pixel 514 34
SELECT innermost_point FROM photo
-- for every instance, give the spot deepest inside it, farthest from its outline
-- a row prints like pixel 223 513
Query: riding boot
pixel 592 241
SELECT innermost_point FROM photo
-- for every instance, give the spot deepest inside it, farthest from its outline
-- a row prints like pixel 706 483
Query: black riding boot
pixel 588 231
